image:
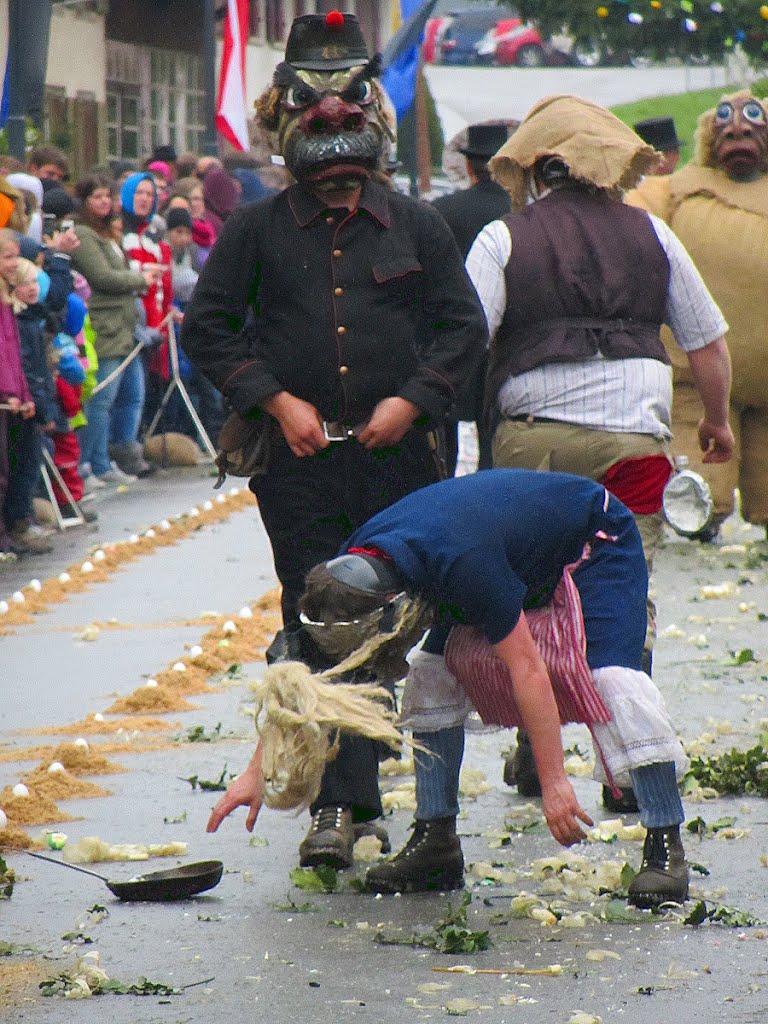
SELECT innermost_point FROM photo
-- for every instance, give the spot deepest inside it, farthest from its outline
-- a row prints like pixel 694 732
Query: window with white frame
pixel 154 96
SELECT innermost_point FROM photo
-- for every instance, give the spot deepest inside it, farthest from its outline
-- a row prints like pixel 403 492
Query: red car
pixel 511 41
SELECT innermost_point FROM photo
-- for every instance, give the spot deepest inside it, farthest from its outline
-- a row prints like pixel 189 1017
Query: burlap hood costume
pixel 597 147
pixel 723 223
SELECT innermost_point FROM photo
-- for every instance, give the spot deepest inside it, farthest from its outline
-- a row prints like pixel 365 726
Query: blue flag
pixel 401 56
pixel 5 103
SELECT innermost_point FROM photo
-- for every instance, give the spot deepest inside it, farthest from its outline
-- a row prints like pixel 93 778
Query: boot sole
pixel 443 883
pixel 325 858
pixel 652 900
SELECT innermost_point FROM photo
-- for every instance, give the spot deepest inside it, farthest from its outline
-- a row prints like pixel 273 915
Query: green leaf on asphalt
pixel 319 879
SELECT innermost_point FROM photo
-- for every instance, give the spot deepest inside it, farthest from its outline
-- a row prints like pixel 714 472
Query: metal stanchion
pixel 48 469
pixel 176 383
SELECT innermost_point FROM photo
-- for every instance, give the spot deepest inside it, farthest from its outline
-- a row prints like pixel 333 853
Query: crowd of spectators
pixel 94 278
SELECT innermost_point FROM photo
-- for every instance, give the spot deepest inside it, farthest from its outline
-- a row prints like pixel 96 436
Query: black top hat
pixel 658 132
pixel 165 152
pixel 485 140
pixel 326 42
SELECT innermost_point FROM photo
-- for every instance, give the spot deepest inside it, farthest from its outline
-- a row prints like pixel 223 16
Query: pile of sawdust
pixel 20 979
pixel 80 761
pixel 62 785
pixel 129 745
pixel 14 838
pixel 191 681
pixel 31 810
pixel 159 699
pixel 89 726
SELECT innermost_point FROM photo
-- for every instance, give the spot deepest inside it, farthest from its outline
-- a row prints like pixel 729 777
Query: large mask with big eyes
pixel 739 137
pixel 330 125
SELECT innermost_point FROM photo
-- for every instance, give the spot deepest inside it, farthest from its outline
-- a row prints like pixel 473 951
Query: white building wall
pixel 77 53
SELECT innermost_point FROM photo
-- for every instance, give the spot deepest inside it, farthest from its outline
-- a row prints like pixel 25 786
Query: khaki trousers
pixel 747 470
pixel 568 448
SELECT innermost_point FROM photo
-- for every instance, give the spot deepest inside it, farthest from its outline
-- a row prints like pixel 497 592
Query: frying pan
pixel 173 884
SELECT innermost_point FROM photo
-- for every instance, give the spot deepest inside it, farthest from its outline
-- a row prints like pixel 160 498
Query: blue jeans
pixel 129 403
pixel 111 413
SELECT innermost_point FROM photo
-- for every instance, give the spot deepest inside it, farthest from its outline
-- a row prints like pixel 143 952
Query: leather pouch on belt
pixel 243 447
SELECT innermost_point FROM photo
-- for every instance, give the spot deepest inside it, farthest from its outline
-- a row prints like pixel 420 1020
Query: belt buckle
pixel 337 431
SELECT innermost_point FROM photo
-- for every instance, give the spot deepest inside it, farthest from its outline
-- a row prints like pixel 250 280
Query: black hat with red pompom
pixel 326 42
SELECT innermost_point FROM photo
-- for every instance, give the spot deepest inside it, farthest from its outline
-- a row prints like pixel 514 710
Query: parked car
pixel 458 43
pixel 512 41
pixel 433 34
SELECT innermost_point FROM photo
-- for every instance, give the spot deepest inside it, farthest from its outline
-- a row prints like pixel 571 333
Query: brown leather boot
pixel 663 874
pixel 431 861
pixel 330 839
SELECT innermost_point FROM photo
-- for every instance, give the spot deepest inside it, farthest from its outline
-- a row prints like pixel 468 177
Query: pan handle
pixel 65 864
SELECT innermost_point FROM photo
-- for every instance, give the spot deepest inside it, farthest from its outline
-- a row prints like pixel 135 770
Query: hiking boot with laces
pixel 663 874
pixel 431 861
pixel 330 839
pixel 520 768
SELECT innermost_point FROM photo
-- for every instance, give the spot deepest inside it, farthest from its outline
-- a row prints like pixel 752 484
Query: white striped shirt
pixel 625 395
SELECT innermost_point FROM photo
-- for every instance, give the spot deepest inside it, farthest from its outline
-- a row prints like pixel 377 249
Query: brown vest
pixel 587 275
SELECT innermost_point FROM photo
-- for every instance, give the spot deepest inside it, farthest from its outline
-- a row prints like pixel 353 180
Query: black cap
pixel 326 42
pixel 485 140
pixel 166 153
pixel 658 132
pixel 178 217
pixel 58 201
pixel 366 573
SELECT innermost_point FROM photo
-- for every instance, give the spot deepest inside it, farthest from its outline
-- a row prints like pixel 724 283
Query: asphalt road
pixel 467 95
pixel 267 951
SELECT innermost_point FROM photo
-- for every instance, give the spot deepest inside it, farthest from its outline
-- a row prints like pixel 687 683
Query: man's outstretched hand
pixel 247 790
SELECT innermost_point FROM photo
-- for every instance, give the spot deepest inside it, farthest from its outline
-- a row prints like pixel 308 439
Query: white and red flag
pixel 231 117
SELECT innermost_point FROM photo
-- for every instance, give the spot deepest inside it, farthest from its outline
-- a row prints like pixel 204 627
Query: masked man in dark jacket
pixel 339 314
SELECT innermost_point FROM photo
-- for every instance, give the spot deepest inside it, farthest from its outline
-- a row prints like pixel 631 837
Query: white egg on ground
pixel 86 567
pixel 195 651
pixel 207 506
pixel 165 525
pixel 81 743
pixel 220 499
pixel 234 491
pixel 150 533
pixel 3 818
pixel 64 577
pixel 18 597
pixel 98 717
pixel 4 607
pixel 56 766
pixel 229 627
pixel 99 556
pixel 20 789
pixel 150 683
pixel 245 613
pixel 179 667
pixel 35 585
pixel 133 539
pixel 194 511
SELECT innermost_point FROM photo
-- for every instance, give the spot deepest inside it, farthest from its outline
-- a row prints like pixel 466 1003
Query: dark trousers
pixel 309 507
pixel 25 453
